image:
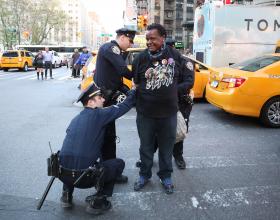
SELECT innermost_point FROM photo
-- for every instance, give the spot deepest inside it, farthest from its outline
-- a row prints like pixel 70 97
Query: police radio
pixel 53 163
pixel 53 171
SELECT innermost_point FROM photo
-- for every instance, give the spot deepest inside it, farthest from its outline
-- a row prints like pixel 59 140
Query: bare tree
pixel 34 17
pixel 47 16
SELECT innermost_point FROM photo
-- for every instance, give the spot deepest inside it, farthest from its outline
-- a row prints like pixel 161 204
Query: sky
pixel 110 12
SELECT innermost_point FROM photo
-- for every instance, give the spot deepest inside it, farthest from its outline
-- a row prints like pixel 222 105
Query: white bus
pixel 65 52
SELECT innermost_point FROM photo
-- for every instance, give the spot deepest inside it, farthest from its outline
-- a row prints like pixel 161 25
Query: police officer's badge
pixel 164 62
pixel 189 65
pixel 116 50
pixel 155 63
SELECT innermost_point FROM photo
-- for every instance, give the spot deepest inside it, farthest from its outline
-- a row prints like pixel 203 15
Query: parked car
pixel 89 68
pixel 202 73
pixel 0 60
pixel 57 60
pixel 250 88
pixel 20 59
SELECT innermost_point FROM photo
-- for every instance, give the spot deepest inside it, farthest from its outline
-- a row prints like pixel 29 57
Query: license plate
pixel 214 83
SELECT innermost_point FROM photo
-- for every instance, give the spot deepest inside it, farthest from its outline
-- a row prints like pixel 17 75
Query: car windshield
pixel 10 54
pixel 255 64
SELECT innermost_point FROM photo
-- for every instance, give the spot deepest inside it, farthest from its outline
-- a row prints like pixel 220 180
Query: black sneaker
pixel 98 205
pixel 66 200
pixel 121 179
pixel 180 162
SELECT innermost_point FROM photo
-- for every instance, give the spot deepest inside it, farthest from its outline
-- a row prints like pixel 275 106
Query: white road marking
pixel 220 161
pixel 64 77
pixel 195 203
pixel 25 77
pixel 183 199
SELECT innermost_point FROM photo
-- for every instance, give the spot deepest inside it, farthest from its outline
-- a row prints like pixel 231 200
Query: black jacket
pixel 85 134
pixel 110 67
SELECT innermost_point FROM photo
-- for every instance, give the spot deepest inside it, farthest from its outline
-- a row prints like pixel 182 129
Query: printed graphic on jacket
pixel 161 74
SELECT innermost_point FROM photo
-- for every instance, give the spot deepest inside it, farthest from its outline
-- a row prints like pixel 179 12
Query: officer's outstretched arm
pixel 113 112
pixel 116 59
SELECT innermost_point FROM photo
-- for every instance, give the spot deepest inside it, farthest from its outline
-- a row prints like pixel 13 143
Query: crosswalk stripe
pixel 64 77
pixel 25 77
pixel 209 199
pixel 219 161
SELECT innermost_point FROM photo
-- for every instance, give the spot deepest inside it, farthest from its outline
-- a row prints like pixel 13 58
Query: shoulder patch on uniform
pixel 189 65
pixel 116 50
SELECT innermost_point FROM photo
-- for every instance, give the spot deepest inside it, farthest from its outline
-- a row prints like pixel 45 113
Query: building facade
pixel 175 15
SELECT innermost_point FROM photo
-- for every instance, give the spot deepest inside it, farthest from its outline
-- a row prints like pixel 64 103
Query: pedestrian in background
pixel 156 73
pixel 39 64
pixel 81 61
pixel 110 68
pixel 48 58
pixel 75 69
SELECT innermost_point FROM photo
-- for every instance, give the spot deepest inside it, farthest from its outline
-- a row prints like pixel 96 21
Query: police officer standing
pixel 110 68
pixel 82 148
pixel 185 105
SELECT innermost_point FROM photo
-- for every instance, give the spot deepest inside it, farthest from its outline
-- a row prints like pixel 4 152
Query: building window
pixel 169 14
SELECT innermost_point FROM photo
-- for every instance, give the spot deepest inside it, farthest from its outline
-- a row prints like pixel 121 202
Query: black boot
pixel 98 205
pixel 38 75
pixel 121 179
pixel 180 162
pixel 42 75
pixel 66 199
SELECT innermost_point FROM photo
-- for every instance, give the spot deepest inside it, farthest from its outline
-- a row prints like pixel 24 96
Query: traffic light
pixel 140 21
pixel 26 35
pixel 145 21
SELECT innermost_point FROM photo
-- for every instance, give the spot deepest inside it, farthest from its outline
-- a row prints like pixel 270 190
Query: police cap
pixel 127 32
pixel 91 91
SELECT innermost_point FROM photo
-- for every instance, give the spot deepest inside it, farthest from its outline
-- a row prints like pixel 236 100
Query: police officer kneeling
pixel 81 151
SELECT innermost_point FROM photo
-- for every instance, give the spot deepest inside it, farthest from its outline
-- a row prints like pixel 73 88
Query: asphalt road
pixel 233 163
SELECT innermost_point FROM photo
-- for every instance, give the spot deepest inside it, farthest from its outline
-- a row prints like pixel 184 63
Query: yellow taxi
pixel 0 60
pixel 202 73
pixel 277 48
pixel 250 88
pixel 89 68
pixel 20 59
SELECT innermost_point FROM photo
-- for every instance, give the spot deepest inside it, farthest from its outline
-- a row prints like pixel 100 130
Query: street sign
pixel 106 35
pixel 179 45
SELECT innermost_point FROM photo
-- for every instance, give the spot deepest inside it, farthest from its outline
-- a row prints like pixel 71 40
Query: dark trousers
pixel 109 145
pixel 162 131
pixel 76 71
pixel 177 149
pixel 48 65
pixel 112 169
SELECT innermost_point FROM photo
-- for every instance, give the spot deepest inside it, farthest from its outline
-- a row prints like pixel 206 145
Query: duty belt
pixel 69 172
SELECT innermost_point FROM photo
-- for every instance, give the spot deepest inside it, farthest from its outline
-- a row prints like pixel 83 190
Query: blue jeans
pixel 162 130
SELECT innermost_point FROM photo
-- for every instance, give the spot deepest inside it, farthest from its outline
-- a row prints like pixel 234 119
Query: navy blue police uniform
pixel 83 143
pixel 110 68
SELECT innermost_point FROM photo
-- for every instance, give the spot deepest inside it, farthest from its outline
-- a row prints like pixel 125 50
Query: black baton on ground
pixel 45 193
